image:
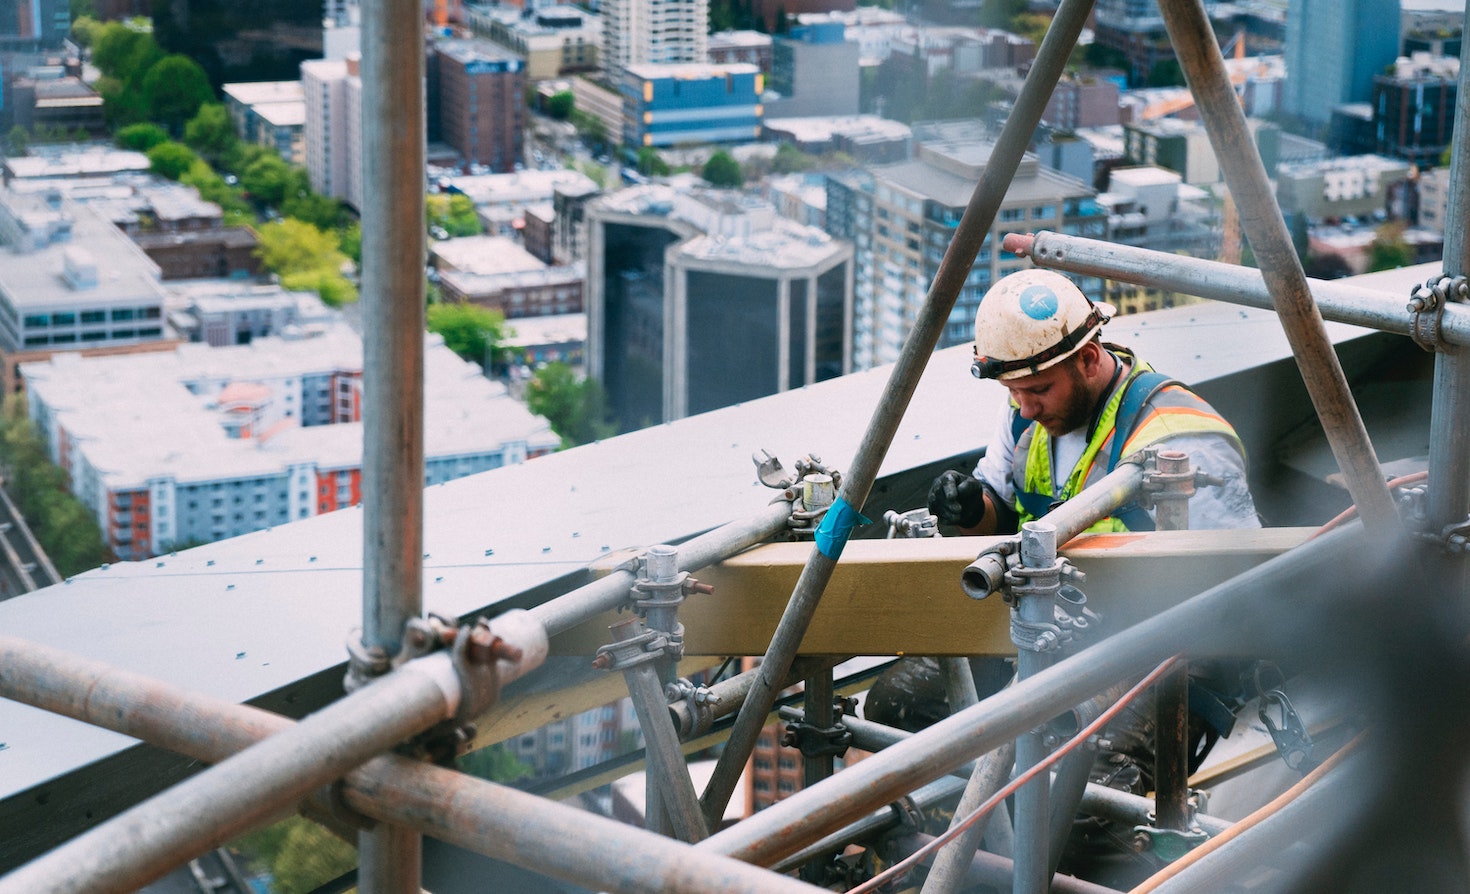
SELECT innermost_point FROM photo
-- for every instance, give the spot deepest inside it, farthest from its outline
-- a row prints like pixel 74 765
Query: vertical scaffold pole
pixel 392 205
pixel 970 234
pixel 1449 461
pixel 1245 176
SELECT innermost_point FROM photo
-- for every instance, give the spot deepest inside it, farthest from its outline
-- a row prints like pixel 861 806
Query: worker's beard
pixel 1077 411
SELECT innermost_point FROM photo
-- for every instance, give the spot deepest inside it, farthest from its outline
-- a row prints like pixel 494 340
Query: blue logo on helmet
pixel 1039 302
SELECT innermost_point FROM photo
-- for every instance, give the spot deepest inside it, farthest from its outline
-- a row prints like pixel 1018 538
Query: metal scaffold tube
pixel 1222 618
pixel 1338 301
pixel 954 269
pixel 607 593
pixel 1245 175
pixel 471 813
pixel 146 841
pixel 1449 461
pixel 393 254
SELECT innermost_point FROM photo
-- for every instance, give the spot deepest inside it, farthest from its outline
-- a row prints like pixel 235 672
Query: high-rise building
pixel 816 70
pixel 482 103
pixel 1414 108
pixel 332 89
pixel 640 32
pixel 669 105
pixel 1333 50
pixel 902 217
pixel 702 300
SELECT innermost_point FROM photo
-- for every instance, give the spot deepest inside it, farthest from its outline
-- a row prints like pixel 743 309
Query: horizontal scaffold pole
pixel 1339 302
pixel 471 813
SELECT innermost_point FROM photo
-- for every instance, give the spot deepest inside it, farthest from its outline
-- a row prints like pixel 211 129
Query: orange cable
pixel 1254 819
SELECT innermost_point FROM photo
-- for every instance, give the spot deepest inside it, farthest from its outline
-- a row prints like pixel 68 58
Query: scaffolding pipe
pixel 1449 462
pixel 954 270
pixel 885 819
pixel 951 865
pixel 668 780
pixel 607 593
pixel 1114 490
pixel 393 253
pixel 987 870
pixel 1219 619
pixel 1098 800
pixel 1338 301
pixel 148 840
pixel 1199 56
pixel 725 697
pixel 471 813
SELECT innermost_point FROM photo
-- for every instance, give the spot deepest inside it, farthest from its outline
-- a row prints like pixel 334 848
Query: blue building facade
pixel 668 105
pixel 1333 50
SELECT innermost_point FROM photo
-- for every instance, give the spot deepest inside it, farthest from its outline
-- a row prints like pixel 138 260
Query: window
pixel 1012 213
pixel 122 313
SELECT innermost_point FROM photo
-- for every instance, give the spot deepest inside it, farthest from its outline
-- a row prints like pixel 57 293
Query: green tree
pixel 122 51
pixel 575 407
pixel 210 132
pixel 560 105
pixel 330 285
pixel 293 246
pixel 454 212
pixel 19 141
pixel 171 160
pixel 651 164
pixel 350 240
pixel 791 160
pixel 321 211
pixel 1166 73
pixel 469 330
pixel 174 89
pixel 722 170
pixel 299 855
pixel 267 180
pixel 1388 249
pixel 141 137
pixel 496 763
pixel 64 527
pixel 84 29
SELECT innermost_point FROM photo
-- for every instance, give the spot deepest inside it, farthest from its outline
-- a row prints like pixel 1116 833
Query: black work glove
pixel 957 499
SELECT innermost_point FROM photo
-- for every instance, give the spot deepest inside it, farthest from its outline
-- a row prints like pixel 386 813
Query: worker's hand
pixel 957 499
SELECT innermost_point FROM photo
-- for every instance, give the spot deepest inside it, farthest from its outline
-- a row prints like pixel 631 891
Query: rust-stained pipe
pixel 471 813
pixel 1204 69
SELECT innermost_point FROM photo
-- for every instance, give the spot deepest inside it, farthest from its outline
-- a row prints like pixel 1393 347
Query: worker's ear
pixel 1089 358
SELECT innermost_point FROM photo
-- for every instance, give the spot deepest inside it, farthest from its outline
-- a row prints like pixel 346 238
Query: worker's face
pixel 1058 399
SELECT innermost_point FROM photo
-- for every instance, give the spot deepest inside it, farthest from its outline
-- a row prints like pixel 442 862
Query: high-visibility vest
pixel 1152 407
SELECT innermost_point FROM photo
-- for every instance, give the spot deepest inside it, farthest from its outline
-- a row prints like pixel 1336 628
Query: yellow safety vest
pixel 1161 408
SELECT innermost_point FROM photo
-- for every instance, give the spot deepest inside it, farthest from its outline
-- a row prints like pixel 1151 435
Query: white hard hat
pixel 1032 320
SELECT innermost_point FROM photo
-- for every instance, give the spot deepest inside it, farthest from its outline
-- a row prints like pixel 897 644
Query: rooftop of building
pixel 552 329
pixel 470 51
pixel 785 245
pixel 1423 67
pixel 1143 175
pixel 137 418
pixel 1366 163
pixel 75 160
pixel 291 113
pixel 153 197
pixel 947 173
pixel 122 271
pixel 256 92
pixel 225 295
pixel 485 255
pixel 857 127
pixel 520 188
pixel 749 39
pixel 689 71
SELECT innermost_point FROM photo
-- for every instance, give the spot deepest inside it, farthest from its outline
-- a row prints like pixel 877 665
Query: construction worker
pixel 1078 405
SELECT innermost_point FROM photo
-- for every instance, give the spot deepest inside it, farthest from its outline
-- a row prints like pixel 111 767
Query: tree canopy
pixel 561 104
pixel 174 89
pixel 453 212
pixel 64 527
pixel 575 407
pixel 722 170
pixel 171 159
pixel 306 257
pixel 469 330
pixel 210 132
pixel 141 137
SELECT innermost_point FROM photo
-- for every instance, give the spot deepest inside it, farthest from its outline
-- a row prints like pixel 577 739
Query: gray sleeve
pixel 1225 506
pixel 994 468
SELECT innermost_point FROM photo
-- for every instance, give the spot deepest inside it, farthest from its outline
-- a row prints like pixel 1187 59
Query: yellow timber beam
pixel 891 597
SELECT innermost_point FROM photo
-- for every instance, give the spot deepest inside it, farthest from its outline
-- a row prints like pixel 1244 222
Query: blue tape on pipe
pixel 836 526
